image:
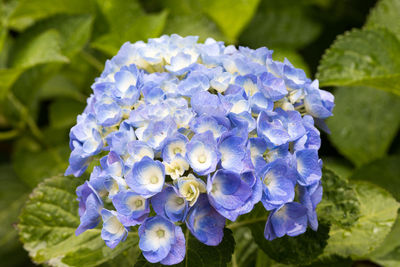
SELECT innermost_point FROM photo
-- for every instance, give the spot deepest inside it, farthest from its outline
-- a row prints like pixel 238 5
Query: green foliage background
pixel 51 51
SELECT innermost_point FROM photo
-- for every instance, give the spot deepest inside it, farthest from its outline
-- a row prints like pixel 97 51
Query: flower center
pixel 179 201
pixel 177 150
pixel 138 203
pixel 160 233
pixel 202 158
pixel 154 179
pixel 267 179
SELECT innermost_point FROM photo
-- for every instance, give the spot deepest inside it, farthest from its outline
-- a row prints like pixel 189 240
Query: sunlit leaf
pixel 363 57
pixel 378 212
pixel 48 223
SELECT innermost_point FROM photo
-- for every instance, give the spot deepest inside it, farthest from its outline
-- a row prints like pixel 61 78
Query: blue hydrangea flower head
pixel 197 133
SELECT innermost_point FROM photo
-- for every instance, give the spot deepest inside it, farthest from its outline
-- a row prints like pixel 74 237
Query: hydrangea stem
pixel 28 120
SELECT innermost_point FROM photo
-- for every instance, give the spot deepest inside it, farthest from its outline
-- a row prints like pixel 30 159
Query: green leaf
pixel 264 261
pixel 340 166
pixel 199 254
pixel 74 31
pixel 193 24
pixel 63 112
pixel 385 14
pixel 385 173
pixel 245 249
pixel 364 124
pixel 363 57
pixel 7 79
pixel 391 259
pixel 301 249
pixel 332 261
pixel 39 49
pixel 186 17
pixel 378 212
pixel 230 16
pixel 59 86
pixel 390 247
pixel 339 204
pixel 48 223
pixel 128 22
pixel 26 87
pixel 48 41
pixel 29 11
pixel 13 194
pixel 281 24
pixel 32 163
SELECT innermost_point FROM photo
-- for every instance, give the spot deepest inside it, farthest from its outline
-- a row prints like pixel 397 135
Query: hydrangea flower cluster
pixel 197 133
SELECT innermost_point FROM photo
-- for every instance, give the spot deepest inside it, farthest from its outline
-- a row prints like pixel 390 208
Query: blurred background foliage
pixel 51 51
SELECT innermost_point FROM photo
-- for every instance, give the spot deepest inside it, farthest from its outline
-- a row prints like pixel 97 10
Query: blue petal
pixel 170 205
pixel 205 223
pixel 272 87
pixel 209 104
pixel 178 250
pixel 278 184
pixel 156 247
pixel 290 219
pixel 310 197
pixel 308 166
pixel 146 177
pixel 205 123
pixel 233 152
pixel 113 231
pixel 131 206
pixel 228 193
pixel 271 129
pixel 202 154
pixel 173 146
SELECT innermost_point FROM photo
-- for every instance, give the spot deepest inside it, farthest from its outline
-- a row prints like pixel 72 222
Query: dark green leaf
pixel 26 88
pixel 281 24
pixel 301 249
pixel 364 124
pixel 48 223
pixel 32 163
pixel 383 172
pixel 340 166
pixel 60 86
pixel 363 57
pixel 13 194
pixel 199 254
pixel 245 250
pixel 63 112
pixel 332 261
pixel 339 203
pixel 378 212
